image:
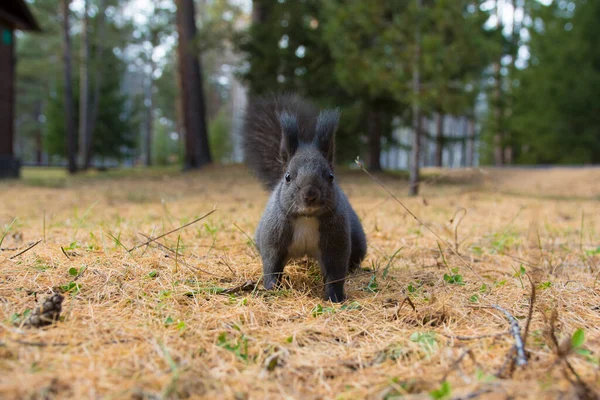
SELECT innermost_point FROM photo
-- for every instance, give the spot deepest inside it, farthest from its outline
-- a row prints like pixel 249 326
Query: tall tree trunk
pixel 498 134
pixel 514 40
pixel 149 117
pixel 84 86
pixel 197 151
pixel 39 147
pixel 416 111
pixel 374 138
pixel 470 143
pixel 95 101
pixel 259 12
pixel 439 139
pixel 69 107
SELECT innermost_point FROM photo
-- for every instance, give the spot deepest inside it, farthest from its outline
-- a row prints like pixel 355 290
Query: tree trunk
pixel 95 101
pixel 498 134
pixel 197 151
pixel 514 40
pixel 470 143
pixel 374 132
pixel 259 12
pixel 84 86
pixel 439 139
pixel 149 118
pixel 39 146
pixel 69 107
pixel 416 117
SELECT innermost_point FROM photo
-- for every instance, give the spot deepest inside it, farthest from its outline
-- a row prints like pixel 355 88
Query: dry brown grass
pixel 129 334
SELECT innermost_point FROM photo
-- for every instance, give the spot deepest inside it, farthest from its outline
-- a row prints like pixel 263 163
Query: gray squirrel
pixel 290 146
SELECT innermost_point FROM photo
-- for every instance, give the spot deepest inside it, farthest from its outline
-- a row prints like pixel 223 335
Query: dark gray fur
pixel 286 135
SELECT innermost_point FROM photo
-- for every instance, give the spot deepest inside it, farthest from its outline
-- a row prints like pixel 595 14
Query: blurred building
pixel 460 144
pixel 14 15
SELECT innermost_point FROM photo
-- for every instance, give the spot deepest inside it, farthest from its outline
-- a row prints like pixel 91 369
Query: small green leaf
pixel 317 310
pixel 578 338
pixel 454 279
pixel 152 274
pixel 474 299
pixel 290 339
pixel 352 306
pixel 180 326
pixel 372 287
pixel 73 271
pixel 545 285
pixel 582 352
pixel 443 392
pixel 169 321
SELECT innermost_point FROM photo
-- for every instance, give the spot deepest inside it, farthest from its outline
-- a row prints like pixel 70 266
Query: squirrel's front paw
pixel 271 281
pixel 335 293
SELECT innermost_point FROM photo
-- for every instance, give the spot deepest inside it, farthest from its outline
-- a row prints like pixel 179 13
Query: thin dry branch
pixel 26 250
pixel 477 337
pixel 515 330
pixel 172 231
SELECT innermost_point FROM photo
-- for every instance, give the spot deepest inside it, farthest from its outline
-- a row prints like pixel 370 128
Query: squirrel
pixel 290 146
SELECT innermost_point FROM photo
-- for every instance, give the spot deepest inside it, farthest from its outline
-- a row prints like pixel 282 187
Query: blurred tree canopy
pixel 557 114
pixel 525 72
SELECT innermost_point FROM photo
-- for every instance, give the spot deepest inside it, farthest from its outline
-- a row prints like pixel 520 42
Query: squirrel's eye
pixel 330 177
pixel 288 177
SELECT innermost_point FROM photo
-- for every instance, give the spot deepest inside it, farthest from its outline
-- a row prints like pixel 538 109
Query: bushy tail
pixel 261 136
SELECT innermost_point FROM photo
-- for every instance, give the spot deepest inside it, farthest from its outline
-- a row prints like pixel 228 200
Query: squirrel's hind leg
pixel 359 243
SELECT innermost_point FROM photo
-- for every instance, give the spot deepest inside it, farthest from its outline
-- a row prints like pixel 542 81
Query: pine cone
pixel 48 313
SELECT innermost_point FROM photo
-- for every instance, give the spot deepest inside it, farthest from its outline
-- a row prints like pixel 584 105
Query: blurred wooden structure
pixel 459 145
pixel 14 15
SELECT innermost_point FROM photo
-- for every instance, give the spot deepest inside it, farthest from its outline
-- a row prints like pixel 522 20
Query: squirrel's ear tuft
pixel 289 135
pixel 327 124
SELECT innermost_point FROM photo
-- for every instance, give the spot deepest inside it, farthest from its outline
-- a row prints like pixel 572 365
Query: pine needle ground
pixel 158 322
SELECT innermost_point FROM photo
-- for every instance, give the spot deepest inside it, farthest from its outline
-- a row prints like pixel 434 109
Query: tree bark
pixel 439 139
pixel 69 107
pixel 149 117
pixel 259 12
pixel 39 145
pixel 95 101
pixel 84 82
pixel 498 134
pixel 416 111
pixel 514 40
pixel 374 139
pixel 197 151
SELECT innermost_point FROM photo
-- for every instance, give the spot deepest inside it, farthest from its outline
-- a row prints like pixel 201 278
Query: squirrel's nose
pixel 310 196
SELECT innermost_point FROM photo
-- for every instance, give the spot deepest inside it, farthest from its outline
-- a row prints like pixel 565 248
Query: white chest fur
pixel 305 239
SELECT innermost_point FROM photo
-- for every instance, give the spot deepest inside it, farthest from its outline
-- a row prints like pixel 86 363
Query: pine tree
pixel 555 119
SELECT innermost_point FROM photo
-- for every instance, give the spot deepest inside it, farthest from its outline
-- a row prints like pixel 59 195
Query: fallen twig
pixel 26 250
pixel 489 335
pixel 172 231
pixel 62 344
pixel 65 253
pixel 410 303
pixel 515 331
pixel 247 286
